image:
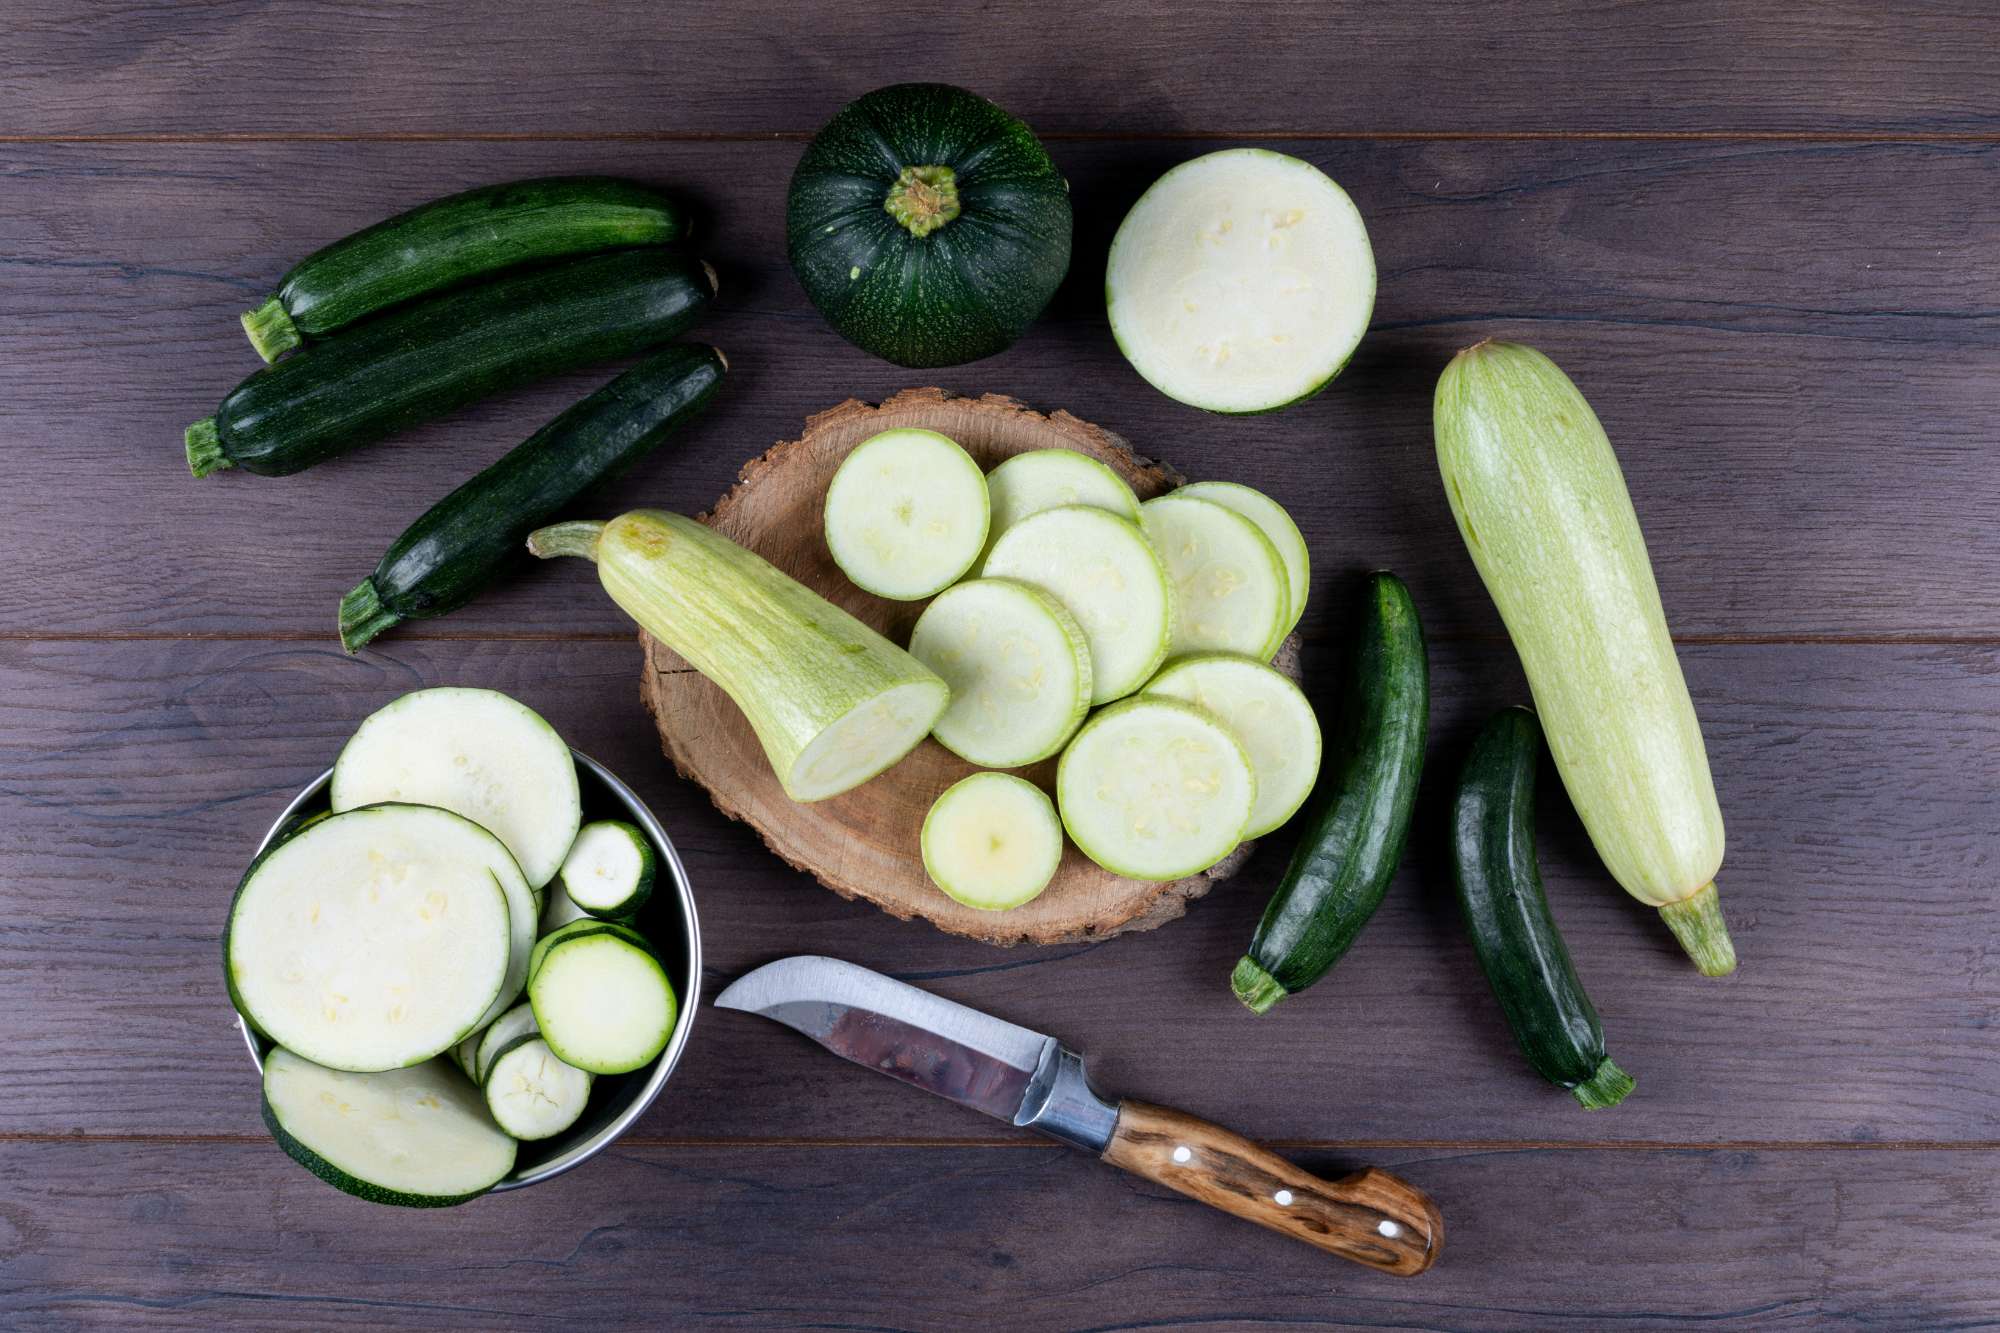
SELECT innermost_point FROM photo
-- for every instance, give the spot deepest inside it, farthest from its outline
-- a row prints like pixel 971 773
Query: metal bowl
pixel 668 920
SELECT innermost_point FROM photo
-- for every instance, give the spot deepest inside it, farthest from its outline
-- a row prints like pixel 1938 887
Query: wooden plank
pixel 198 1236
pixel 135 777
pixel 1122 66
pixel 1764 329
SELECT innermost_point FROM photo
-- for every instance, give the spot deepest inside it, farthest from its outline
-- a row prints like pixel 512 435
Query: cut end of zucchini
pixel 1606 1087
pixel 867 739
pixel 270 329
pixel 1254 986
pixel 560 539
pixel 204 448
pixel 1697 923
pixel 362 616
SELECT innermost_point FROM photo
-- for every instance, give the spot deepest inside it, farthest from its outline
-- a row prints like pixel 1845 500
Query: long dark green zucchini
pixel 468 538
pixel 456 240
pixel 427 359
pixel 1500 889
pixel 1361 816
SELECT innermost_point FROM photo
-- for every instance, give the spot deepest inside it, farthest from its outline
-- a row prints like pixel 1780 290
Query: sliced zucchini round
pixel 476 753
pixel 1106 573
pixel 1155 789
pixel 533 1095
pixel 992 841
pixel 558 911
pixel 418 1137
pixel 609 871
pixel 1231 593
pixel 906 514
pixel 1048 479
pixel 507 1029
pixel 1276 524
pixel 375 939
pixel 1018 666
pixel 1241 281
pixel 603 1002
pixel 1267 714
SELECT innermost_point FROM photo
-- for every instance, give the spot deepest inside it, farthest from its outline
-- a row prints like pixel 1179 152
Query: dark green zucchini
pixel 1361 815
pixel 430 358
pixel 456 240
pixel 468 538
pixel 1500 890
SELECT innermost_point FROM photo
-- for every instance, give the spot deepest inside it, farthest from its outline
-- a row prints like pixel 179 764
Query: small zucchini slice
pixel 602 1000
pixel 1267 713
pixel 1018 666
pixel 1155 789
pixel 1048 479
pixel 992 841
pixel 1507 915
pixel 533 1095
pixel 504 1031
pixel 1231 592
pixel 906 514
pixel 1354 839
pixel 609 870
pixel 1270 516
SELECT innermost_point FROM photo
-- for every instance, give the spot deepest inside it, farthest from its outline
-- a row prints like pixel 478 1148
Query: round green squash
pixel 927 225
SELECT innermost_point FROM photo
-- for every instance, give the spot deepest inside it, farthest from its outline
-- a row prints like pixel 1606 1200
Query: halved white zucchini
pixel 476 753
pixel 609 871
pixel 603 1002
pixel 1230 589
pixel 1241 281
pixel 1048 479
pixel 507 1029
pixel 906 514
pixel 1276 524
pixel 1106 573
pixel 992 841
pixel 418 1137
pixel 1267 714
pixel 1155 789
pixel 533 1095
pixel 375 939
pixel 1018 666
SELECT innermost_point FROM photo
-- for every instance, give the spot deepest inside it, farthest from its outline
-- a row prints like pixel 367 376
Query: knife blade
pixel 1030 1079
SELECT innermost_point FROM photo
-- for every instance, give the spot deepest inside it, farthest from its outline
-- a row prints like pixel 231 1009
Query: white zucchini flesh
pixel 507 1029
pixel 1266 713
pixel 1018 666
pixel 532 1094
pixel 992 841
pixel 906 514
pixel 1048 479
pixel 1231 593
pixel 465 1055
pixel 1270 518
pixel 419 1137
pixel 1108 576
pixel 375 939
pixel 609 871
pixel 476 753
pixel 1155 789
pixel 559 911
pixel 1241 281
pixel 603 1003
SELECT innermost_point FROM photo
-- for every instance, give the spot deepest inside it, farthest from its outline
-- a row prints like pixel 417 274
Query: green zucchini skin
pixel 425 360
pixel 466 540
pixel 1360 819
pixel 1507 914
pixel 456 240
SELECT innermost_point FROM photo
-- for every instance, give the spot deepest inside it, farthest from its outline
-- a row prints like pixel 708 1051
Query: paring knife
pixel 1032 1080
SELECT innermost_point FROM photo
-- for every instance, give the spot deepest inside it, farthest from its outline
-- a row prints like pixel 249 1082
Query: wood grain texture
pixel 204 1236
pixel 1855 781
pixel 1796 350
pixel 1124 66
pixel 1370 1217
pixel 866 844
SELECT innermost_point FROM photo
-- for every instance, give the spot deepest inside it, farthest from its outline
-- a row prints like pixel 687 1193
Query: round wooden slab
pixel 865 843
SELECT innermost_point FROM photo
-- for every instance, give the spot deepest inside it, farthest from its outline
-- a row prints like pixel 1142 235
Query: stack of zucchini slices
pixel 1162 617
pixel 443 960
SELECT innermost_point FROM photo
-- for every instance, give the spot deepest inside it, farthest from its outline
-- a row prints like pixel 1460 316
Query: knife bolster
pixel 1061 1104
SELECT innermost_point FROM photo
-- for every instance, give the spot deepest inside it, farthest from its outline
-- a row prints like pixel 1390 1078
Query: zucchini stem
pixel 362 616
pixel 923 199
pixel 1606 1086
pixel 1254 986
pixel 204 448
pixel 270 329
pixel 559 539
pixel 1697 923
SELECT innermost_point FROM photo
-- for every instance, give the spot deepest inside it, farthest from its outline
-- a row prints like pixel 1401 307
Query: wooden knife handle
pixel 1370 1217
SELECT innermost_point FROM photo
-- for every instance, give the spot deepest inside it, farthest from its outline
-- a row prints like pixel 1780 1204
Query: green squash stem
pixel 1606 1086
pixel 560 539
pixel 362 616
pixel 1697 923
pixel 1254 986
pixel 270 329
pixel 923 199
pixel 204 448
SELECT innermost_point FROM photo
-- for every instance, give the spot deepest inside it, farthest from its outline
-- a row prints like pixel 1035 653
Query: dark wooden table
pixel 1764 239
